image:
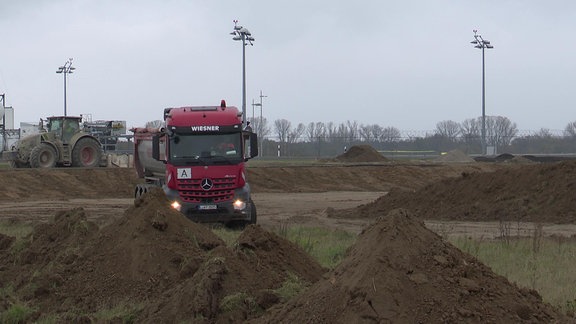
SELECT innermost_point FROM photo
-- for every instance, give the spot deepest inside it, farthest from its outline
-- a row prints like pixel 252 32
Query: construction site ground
pixel 399 270
pixel 301 194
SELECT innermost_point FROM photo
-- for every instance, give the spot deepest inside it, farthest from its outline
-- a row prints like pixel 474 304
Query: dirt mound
pixel 152 259
pixel 361 153
pixel 520 160
pixel 541 193
pixel 237 284
pixel 455 156
pixel 36 264
pixel 398 271
pixel 138 256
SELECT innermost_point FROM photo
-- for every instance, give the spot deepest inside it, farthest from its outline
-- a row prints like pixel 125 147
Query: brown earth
pixel 400 272
pixel 361 153
pixel 152 255
pixel 146 255
pixel 539 193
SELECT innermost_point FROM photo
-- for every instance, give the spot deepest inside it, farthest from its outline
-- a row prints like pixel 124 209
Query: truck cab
pixel 204 150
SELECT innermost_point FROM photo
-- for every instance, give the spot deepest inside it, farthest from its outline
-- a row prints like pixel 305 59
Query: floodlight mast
pixel 67 68
pixel 482 44
pixel 242 34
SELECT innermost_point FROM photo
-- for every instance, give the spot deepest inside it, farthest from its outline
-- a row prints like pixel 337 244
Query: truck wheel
pixel 140 190
pixel 253 215
pixel 43 156
pixel 86 153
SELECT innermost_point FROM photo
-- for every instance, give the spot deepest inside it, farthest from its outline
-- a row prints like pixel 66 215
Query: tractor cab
pixel 64 127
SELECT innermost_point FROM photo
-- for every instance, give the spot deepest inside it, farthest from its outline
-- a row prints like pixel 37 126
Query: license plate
pixel 207 207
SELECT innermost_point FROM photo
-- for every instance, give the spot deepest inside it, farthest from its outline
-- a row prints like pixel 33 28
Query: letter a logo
pixel 184 173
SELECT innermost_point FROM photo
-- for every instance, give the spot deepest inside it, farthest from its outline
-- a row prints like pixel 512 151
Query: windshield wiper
pixel 220 159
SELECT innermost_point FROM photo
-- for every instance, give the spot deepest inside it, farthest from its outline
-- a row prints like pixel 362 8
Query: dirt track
pixel 308 195
pixel 295 195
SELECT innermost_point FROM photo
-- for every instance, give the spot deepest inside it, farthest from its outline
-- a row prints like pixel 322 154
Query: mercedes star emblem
pixel 206 184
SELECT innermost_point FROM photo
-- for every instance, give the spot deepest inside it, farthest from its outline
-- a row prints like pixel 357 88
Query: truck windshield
pixel 206 147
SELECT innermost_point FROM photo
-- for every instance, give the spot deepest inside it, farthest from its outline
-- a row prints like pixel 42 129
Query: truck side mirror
pixel 250 145
pixel 156 148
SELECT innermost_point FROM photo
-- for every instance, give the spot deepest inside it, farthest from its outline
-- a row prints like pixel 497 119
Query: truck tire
pixel 253 215
pixel 43 156
pixel 142 189
pixel 86 153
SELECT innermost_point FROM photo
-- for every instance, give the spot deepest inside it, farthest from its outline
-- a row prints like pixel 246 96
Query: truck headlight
pixel 239 204
pixel 176 205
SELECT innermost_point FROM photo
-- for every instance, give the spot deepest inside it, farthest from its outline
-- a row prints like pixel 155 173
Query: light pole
pixel 482 44
pixel 260 128
pixel 67 68
pixel 242 34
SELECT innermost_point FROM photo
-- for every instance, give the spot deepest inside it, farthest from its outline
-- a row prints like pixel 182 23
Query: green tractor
pixel 61 143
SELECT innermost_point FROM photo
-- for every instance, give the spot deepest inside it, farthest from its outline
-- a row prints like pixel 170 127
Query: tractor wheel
pixel 43 156
pixel 86 153
pixel 18 165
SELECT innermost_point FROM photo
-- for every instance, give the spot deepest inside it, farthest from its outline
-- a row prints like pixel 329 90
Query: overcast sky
pixel 407 64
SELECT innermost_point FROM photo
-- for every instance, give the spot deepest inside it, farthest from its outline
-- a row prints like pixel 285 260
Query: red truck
pixel 198 158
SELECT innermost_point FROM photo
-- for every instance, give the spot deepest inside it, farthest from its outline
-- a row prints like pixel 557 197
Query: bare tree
pixel 448 129
pixel 470 130
pixel 282 128
pixel 311 132
pixel 155 124
pixel 544 133
pixel 296 133
pixel 261 128
pixel 390 134
pixel 499 130
pixel 315 131
pixel 570 129
pixel 370 133
pixel 342 132
pixel 331 132
pixel 352 130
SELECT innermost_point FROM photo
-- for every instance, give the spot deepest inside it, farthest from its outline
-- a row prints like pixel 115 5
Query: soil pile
pixel 455 156
pixel 533 193
pixel 361 153
pixel 234 285
pixel 154 260
pixel 400 272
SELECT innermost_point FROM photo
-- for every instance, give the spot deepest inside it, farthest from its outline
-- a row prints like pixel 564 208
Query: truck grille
pixel 191 191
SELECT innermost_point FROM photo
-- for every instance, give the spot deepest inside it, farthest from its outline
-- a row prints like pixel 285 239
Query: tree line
pixel 329 138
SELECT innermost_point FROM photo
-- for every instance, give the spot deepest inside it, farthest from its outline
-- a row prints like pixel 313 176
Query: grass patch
pixel 541 263
pixel 228 235
pixel 240 302
pixel 121 313
pixel 327 246
pixel 16 313
pixel 291 287
pixel 15 228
